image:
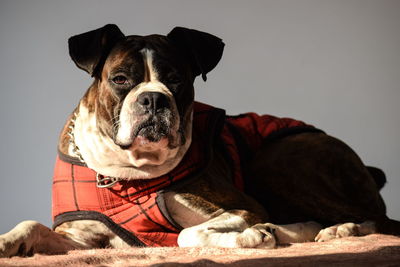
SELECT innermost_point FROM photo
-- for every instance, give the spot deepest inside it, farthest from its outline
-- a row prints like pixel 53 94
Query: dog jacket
pixel 135 209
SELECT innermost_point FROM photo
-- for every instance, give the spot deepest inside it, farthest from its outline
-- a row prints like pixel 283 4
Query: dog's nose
pixel 153 101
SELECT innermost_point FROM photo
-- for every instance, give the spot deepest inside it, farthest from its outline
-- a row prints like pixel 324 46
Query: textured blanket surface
pixel 372 250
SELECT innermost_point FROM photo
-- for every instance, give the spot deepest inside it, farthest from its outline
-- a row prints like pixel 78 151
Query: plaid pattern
pixel 133 205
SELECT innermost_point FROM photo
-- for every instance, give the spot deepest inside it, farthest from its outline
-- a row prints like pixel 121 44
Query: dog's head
pixel 135 120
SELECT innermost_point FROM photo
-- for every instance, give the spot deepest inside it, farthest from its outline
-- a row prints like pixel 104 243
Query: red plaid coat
pixel 135 210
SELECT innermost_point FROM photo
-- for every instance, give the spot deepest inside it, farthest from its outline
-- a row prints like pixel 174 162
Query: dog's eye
pixel 120 79
pixel 173 79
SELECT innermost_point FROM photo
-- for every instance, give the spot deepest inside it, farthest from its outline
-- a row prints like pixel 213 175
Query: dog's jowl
pixel 140 163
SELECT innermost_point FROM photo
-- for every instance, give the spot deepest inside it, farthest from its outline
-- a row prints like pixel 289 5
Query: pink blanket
pixel 372 250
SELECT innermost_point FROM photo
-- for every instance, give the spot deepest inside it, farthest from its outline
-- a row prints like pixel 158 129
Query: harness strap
pixel 124 234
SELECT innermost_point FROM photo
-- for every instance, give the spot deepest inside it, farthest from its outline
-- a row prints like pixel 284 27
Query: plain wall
pixel 334 64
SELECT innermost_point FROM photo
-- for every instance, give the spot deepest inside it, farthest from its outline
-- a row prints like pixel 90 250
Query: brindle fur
pixel 313 176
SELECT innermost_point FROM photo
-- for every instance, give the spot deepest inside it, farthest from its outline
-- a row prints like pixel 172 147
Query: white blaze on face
pixel 150 73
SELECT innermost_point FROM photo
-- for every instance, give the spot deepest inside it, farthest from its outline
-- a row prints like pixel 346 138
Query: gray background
pixel 334 64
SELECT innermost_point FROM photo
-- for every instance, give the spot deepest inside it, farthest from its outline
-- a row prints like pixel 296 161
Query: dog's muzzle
pixel 152 121
pixel 156 117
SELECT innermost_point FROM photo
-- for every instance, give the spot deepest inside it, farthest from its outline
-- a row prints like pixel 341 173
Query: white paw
pixel 257 236
pixel 338 231
pixel 14 247
pixel 18 242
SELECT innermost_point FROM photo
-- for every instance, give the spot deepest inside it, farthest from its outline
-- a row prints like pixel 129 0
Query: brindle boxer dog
pixel 135 124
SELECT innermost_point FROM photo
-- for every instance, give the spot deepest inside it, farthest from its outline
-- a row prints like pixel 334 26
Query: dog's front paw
pixel 257 236
pixel 19 247
pixel 18 242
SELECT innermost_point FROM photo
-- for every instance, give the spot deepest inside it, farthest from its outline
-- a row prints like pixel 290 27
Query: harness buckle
pixel 105 181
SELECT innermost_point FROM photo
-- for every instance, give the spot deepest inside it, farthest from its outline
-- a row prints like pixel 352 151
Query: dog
pixel 141 163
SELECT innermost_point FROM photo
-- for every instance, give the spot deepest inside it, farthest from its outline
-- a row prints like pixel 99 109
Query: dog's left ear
pixel 203 49
pixel 89 50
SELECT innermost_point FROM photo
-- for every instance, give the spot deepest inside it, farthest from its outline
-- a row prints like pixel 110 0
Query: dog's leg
pixel 295 232
pixel 231 230
pixel 226 230
pixel 313 176
pixel 346 229
pixel 30 237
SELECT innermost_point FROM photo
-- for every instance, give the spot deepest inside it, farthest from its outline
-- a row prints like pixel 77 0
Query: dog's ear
pixel 203 49
pixel 89 50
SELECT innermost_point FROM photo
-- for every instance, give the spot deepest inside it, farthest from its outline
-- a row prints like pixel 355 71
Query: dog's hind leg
pixel 30 237
pixel 295 232
pixel 315 177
